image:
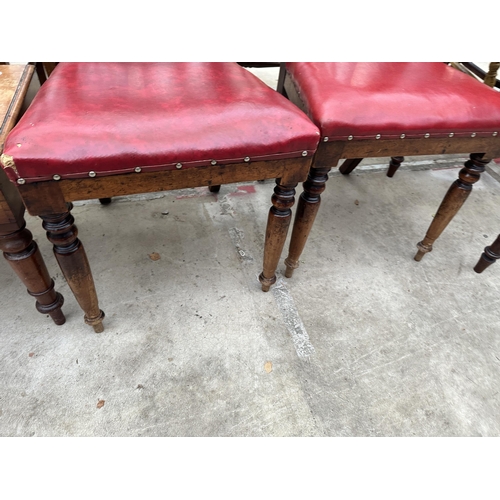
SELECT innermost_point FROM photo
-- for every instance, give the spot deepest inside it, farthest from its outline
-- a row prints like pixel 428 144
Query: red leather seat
pixel 90 118
pixel 386 100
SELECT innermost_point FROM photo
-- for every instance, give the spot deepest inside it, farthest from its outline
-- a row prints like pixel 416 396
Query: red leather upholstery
pixel 110 118
pixel 365 99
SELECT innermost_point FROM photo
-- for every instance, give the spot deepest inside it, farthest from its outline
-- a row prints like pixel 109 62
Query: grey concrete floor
pixel 362 341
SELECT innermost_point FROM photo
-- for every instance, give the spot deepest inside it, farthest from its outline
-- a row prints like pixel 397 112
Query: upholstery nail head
pixel 402 136
pixel 495 134
pixel 377 136
pixel 304 153
pixel 138 169
pixel 473 134
pixel 247 159
pixel 213 162
pixel 56 177
pixel 18 145
pixel 427 136
pixel 179 165
pixel 92 173
pixel 350 138
pixel 325 139
pixel 451 134
pixel 21 181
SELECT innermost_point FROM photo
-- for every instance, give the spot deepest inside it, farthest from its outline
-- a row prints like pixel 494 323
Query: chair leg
pixel 453 200
pixel 394 164
pixel 490 255
pixel 73 262
pixel 277 228
pixel 307 208
pixel 105 201
pixel 349 165
pixel 22 253
pixel 215 188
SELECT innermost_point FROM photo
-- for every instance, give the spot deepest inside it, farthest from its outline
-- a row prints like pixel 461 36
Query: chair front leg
pixel 22 253
pixel 74 264
pixel 490 255
pixel 307 208
pixel 453 200
pixel 277 228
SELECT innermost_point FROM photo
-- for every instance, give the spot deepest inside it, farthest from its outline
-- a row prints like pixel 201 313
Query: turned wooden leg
pixel 277 228
pixel 22 253
pixel 307 208
pixel 394 165
pixel 214 188
pixel 73 262
pixel 489 256
pixel 349 165
pixel 453 200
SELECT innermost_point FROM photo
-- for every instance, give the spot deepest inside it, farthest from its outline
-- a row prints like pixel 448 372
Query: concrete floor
pixel 362 341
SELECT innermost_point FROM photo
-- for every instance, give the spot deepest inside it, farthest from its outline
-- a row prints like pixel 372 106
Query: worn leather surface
pixel 390 99
pixel 112 117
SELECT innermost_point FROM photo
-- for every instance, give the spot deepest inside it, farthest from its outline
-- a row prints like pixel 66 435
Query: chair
pixel 16 242
pixel 109 129
pixel 381 109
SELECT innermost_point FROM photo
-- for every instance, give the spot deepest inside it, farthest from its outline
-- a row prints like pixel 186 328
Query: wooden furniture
pixel 109 129
pixel 16 242
pixel 383 109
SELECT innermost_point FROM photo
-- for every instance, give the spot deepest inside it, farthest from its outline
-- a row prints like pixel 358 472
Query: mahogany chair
pixel 16 242
pixel 108 129
pixel 382 109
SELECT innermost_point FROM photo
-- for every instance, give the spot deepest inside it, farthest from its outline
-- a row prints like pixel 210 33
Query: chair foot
pixel 394 164
pixel 105 201
pixel 422 250
pixel 266 282
pixel 349 165
pixel 214 188
pixel 490 255
pixel 290 267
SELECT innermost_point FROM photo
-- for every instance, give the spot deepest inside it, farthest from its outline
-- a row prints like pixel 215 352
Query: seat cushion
pixel 110 118
pixel 364 100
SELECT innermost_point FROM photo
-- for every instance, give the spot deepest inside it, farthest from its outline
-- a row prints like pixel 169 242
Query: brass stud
pixel 427 136
pixel 213 162
pixel 402 136
pixel 138 169
pixel 304 153
pixel 377 136
pixel 179 165
pixel 56 177
pixel 495 134
pixel 92 173
pixel 451 134
pixel 325 139
pixel 350 138
pixel 247 159
pixel 473 134
pixel 21 181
